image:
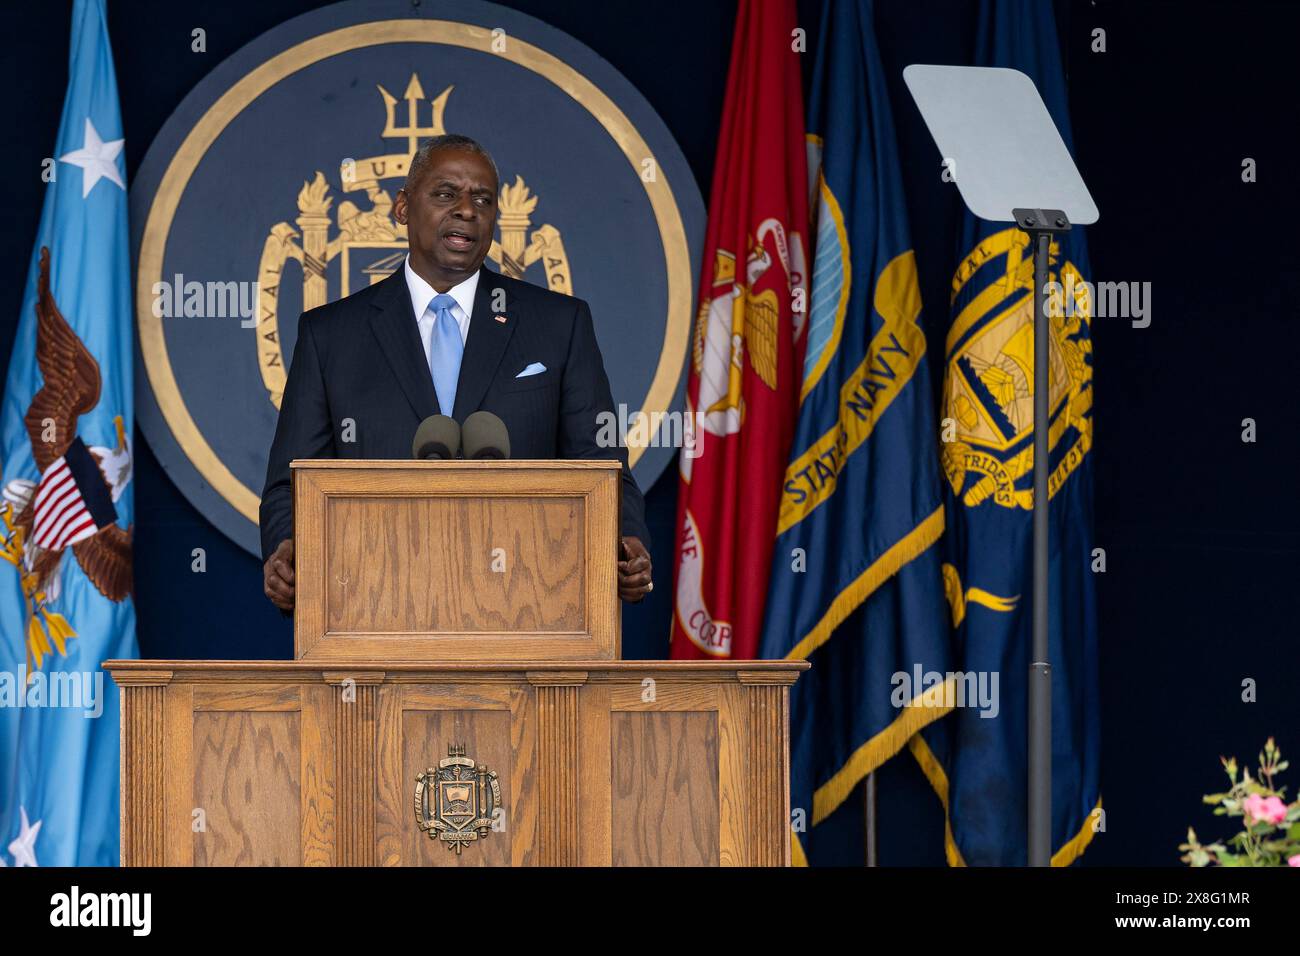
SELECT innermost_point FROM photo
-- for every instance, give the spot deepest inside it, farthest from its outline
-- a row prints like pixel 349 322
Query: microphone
pixel 437 438
pixel 486 436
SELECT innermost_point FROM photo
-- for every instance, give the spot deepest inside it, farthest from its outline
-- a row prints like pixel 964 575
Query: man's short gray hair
pixel 447 141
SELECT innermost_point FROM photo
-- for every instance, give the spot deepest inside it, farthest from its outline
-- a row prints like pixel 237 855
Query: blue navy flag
pixel 988 459
pixel 65 584
pixel 856 586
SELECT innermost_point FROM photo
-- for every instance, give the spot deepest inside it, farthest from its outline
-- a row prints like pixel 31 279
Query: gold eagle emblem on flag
pixel 736 319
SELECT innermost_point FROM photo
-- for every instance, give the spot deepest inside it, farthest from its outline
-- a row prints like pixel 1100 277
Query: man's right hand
pixel 277 576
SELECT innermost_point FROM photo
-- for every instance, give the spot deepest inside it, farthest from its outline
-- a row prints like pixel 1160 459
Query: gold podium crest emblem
pixel 456 802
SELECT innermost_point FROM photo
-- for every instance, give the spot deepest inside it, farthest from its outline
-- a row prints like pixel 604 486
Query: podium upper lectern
pixel 457 698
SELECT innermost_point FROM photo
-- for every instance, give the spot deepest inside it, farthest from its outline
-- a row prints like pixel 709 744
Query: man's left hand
pixel 634 572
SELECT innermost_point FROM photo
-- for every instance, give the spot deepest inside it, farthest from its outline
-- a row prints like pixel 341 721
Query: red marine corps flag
pixel 743 391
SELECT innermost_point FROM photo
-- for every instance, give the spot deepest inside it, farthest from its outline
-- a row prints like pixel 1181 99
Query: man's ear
pixel 399 206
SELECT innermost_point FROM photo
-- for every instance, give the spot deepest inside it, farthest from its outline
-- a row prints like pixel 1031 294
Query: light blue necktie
pixel 445 352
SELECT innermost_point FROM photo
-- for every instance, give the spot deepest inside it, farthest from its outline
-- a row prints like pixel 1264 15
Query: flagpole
pixel 1041 224
pixel 869 817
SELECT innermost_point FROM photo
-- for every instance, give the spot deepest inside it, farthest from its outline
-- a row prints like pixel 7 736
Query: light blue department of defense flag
pixel 65 583
pixel 856 584
pixel 978 765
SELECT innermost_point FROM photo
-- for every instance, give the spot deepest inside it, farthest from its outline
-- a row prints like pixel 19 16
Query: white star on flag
pixel 23 848
pixel 97 160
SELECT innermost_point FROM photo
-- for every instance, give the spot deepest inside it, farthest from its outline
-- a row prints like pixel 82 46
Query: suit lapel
pixel 486 343
pixel 399 337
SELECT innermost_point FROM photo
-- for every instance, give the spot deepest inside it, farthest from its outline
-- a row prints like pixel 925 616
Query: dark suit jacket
pixel 360 358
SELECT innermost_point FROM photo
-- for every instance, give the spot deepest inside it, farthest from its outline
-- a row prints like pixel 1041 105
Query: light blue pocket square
pixel 536 368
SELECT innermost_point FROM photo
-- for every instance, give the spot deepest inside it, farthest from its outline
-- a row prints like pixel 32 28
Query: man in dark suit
pixel 444 335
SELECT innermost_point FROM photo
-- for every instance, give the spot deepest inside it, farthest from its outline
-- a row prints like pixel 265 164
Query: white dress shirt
pixel 422 294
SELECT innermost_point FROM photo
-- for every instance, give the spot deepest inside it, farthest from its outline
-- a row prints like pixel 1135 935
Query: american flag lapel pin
pixel 499 318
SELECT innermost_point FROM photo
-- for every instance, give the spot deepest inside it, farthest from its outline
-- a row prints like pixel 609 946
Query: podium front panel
pixel 381 763
pixel 456 560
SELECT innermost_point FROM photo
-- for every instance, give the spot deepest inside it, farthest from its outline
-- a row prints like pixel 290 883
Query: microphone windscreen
pixel 438 437
pixel 486 436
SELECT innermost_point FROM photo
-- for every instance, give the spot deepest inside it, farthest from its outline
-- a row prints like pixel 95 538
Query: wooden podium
pixel 457 698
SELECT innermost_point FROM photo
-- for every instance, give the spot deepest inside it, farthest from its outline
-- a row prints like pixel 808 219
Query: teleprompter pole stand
pixel 1041 224
pixel 1007 154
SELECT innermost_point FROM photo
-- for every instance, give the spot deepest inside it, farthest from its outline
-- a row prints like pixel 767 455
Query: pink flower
pixel 1293 861
pixel 1265 809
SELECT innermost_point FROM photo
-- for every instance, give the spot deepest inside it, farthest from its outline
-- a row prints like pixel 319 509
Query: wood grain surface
pixel 455 565
pixel 247 784
pixel 664 775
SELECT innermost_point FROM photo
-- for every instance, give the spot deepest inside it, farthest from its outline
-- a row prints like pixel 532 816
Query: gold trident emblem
pixel 414 95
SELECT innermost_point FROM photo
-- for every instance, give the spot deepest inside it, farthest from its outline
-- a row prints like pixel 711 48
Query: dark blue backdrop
pixel 1200 529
